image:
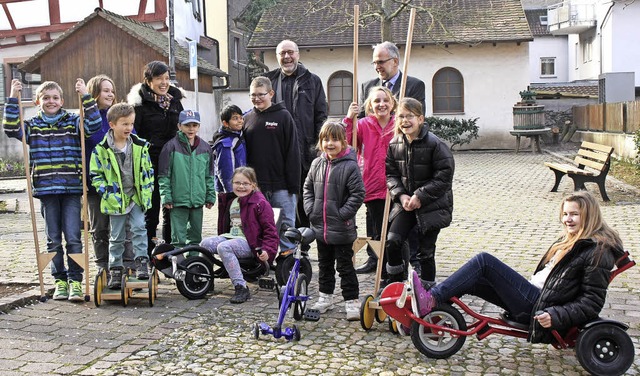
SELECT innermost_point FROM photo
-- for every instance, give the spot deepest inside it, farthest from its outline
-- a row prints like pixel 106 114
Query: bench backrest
pixel 595 156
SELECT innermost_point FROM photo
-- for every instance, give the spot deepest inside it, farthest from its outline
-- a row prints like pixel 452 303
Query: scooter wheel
pixel 98 286
pixel 296 333
pixel 367 314
pixel 605 349
pixel 256 331
pixel 302 289
pixel 393 326
pixel 195 286
pixel 124 291
pixel 438 344
pixel 380 315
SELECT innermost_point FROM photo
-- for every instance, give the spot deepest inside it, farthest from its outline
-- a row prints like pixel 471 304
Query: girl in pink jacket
pixel 375 131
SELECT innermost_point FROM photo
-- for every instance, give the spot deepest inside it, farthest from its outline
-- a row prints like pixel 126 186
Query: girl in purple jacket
pixel 245 224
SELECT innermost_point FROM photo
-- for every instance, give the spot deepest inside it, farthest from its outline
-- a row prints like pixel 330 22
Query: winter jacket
pixel 425 168
pixel 376 142
pixel 333 193
pixel 256 216
pixel 229 153
pixel 106 179
pixel 152 123
pixel 185 176
pixel 575 290
pixel 272 148
pixel 91 143
pixel 55 152
pixel 309 108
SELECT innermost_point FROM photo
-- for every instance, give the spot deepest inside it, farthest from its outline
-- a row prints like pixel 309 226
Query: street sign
pixel 193 60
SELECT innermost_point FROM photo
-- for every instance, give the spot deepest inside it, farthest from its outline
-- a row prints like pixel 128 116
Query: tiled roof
pixel 144 33
pixel 533 18
pixel 586 89
pixel 311 23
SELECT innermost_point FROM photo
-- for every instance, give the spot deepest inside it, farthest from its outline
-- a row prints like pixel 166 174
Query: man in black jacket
pixel 303 95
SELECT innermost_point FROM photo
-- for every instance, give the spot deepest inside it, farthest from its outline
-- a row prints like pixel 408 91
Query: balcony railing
pixel 571 17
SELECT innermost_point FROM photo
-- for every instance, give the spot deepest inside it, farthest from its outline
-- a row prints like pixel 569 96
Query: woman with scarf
pixel 157 105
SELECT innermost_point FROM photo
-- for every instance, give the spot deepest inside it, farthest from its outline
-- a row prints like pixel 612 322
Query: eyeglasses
pixel 380 62
pixel 242 184
pixel 258 95
pixel 285 53
pixel 408 117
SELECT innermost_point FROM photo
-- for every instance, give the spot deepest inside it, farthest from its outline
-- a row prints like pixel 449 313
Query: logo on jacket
pixel 271 125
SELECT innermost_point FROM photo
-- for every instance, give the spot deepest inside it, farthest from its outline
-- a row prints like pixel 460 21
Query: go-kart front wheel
pixel 367 314
pixel 605 349
pixel 198 279
pixel 435 343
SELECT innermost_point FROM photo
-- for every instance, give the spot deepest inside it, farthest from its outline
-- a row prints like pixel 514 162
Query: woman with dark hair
pixel 157 105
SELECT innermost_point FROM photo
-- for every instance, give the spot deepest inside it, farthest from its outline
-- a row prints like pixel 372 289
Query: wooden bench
pixel 594 156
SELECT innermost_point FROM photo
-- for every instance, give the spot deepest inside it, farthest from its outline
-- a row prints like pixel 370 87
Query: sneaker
pixel 76 291
pixel 324 303
pixel 423 298
pixel 115 280
pixel 242 295
pixel 353 309
pixel 142 268
pixel 62 290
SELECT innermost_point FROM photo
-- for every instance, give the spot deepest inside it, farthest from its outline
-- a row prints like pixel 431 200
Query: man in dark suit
pixel 386 61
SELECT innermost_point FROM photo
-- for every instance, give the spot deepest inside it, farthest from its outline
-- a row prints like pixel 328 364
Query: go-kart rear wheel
pixel 439 344
pixel 605 349
pixel 153 285
pixel 194 285
pixel 380 315
pixel 98 286
pixel 367 315
pixel 302 288
pixel 393 326
pixel 124 291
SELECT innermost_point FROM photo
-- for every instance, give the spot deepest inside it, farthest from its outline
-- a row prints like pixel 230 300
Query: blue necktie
pixel 388 84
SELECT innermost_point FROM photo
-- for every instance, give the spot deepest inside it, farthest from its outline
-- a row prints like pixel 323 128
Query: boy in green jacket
pixel 186 180
pixel 122 174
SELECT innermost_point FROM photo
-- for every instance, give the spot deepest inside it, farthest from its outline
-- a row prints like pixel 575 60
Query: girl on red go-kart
pixel 567 289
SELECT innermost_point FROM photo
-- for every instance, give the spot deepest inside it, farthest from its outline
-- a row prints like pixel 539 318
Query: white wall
pixel 209 113
pixel 548 46
pixel 493 77
pixel 185 25
pixel 625 38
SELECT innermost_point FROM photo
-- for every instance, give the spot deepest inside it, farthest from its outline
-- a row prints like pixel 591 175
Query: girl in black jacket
pixel 569 284
pixel 333 193
pixel 419 168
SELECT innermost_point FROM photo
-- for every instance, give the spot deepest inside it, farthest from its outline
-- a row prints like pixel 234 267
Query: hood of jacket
pixel 141 92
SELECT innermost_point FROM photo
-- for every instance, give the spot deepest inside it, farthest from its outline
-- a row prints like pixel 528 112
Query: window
pixel 543 20
pixel 30 81
pixel 547 66
pixel 236 49
pixel 340 93
pixel 448 91
pixel 577 56
pixel 195 6
pixel 586 50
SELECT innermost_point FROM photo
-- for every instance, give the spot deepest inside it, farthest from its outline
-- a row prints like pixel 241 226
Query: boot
pixel 142 267
pixel 115 280
pixel 368 267
pixel 241 295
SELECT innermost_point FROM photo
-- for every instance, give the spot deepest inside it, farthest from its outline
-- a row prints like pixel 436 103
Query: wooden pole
pixel 354 128
pixel 36 243
pixel 387 202
pixel 85 212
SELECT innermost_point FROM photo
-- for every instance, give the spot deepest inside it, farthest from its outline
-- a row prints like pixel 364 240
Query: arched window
pixel 448 91
pixel 340 93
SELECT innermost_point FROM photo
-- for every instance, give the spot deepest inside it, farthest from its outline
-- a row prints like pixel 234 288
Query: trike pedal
pixel 267 283
pixel 312 314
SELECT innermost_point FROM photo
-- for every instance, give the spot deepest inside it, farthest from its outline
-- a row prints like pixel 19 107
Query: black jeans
pixel 151 216
pixel 339 255
pixel 375 216
pixel 399 231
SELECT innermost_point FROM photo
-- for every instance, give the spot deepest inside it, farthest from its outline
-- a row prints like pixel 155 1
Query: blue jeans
pixel 488 278
pixel 61 215
pixel 118 227
pixel 230 250
pixel 287 203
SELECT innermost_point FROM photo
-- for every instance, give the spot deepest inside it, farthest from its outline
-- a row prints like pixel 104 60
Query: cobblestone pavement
pixel 502 205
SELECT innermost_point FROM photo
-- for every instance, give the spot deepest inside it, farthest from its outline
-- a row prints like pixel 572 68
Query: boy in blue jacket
pixel 229 151
pixel 55 157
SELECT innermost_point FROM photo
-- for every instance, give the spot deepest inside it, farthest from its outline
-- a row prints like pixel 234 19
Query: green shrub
pixel 9 168
pixel 454 131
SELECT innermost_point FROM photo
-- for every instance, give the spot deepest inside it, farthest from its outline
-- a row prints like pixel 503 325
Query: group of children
pixel 189 174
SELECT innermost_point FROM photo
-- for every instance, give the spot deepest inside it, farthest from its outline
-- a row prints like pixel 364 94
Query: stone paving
pixel 502 205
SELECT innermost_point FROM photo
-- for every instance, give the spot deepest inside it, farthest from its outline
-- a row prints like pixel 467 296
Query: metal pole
pixel 172 46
